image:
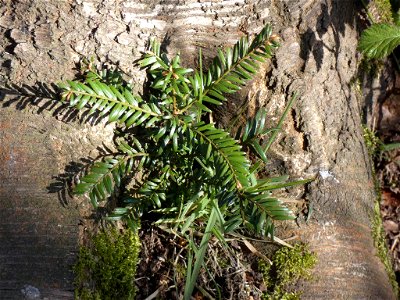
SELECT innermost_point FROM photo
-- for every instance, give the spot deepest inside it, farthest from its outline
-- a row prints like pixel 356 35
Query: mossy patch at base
pixel 106 269
pixel 288 266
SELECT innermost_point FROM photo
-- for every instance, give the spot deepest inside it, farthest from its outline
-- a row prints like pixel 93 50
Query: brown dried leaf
pixel 391 226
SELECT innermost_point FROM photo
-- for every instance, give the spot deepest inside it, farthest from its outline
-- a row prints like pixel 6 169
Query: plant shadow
pixel 64 182
pixel 46 97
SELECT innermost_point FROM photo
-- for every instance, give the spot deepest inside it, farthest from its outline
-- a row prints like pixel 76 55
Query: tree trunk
pixel 42 40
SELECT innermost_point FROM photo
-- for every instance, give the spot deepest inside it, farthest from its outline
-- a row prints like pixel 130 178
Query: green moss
pixel 381 11
pixel 106 269
pixel 288 266
pixel 378 234
pixel 374 147
pixel 373 143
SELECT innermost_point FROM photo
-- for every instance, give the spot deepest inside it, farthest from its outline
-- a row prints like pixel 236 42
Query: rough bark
pixel 43 39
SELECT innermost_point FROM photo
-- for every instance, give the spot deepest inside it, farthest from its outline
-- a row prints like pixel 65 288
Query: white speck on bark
pixel 325 174
pixel 30 292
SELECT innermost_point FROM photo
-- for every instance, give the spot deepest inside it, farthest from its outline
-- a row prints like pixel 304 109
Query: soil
pixel 162 270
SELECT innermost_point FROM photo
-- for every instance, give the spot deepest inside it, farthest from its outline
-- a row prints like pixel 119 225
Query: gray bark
pixel 42 40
